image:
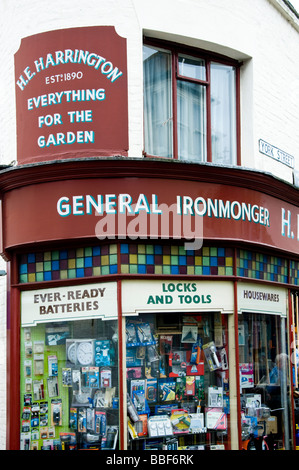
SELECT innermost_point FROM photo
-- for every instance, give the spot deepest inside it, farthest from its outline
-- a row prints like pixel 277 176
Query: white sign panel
pixel 276 153
pixel 262 299
pixel 176 296
pixel 69 303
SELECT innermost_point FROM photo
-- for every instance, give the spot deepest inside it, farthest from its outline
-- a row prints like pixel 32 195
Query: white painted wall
pixel 254 31
pixel 262 33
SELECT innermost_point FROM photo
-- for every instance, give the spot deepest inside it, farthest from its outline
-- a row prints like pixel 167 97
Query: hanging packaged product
pixel 28 385
pixel 66 377
pixel 52 383
pixel 105 377
pixel 38 389
pixel 28 349
pixel 82 420
pixel 197 423
pixel 144 334
pixel 177 363
pixel 100 422
pixel 141 425
pixel 56 412
pixel 139 401
pixel 151 390
pixel 52 365
pixel 73 424
pixel 167 389
pixel 131 335
pixel 189 334
pixel 216 419
pixel 68 440
pixel 196 352
pixel 132 412
pixel 165 344
pixel 38 361
pixel 215 397
pixel 103 353
pixel 190 386
pixel 159 426
pixel 246 375
pixel 180 421
pixel 27 368
pixel 109 442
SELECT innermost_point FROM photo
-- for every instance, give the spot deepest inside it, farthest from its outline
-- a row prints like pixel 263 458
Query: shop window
pixel 190 105
pixel 69 386
pixel 177 382
pixel 265 382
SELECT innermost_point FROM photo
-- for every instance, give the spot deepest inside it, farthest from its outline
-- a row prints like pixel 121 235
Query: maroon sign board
pixel 71 94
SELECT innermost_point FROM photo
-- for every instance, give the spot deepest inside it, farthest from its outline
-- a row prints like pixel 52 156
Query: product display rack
pixel 177 382
pixel 70 387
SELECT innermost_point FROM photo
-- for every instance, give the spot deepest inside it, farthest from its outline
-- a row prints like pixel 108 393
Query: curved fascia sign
pixel 148 208
pixel 71 94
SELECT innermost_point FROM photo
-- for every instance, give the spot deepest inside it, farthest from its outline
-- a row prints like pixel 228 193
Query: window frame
pixel 179 49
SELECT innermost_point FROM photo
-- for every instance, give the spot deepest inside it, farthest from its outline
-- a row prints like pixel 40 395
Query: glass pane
pixel 69 386
pixel 265 381
pixel 192 68
pixel 157 102
pixel 177 382
pixel 223 114
pixel 191 111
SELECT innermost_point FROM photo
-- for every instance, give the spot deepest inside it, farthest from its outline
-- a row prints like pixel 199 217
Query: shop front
pixel 152 364
pixel 134 340
pixel 148 298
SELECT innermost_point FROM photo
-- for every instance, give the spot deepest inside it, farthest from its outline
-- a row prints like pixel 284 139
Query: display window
pixel 69 385
pixel 190 104
pixel 177 381
pixel 265 371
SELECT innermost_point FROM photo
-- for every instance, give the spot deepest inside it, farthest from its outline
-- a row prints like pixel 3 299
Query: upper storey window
pixel 190 106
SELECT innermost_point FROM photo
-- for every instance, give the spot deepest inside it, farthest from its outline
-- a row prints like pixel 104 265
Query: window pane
pixel 191 111
pixel 192 68
pixel 177 382
pixel 223 114
pixel 157 102
pixel 265 380
pixel 69 385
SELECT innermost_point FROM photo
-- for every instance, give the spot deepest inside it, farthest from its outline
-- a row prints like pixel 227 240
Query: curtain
pixel 158 119
pixel 191 108
pixel 191 121
pixel 223 114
